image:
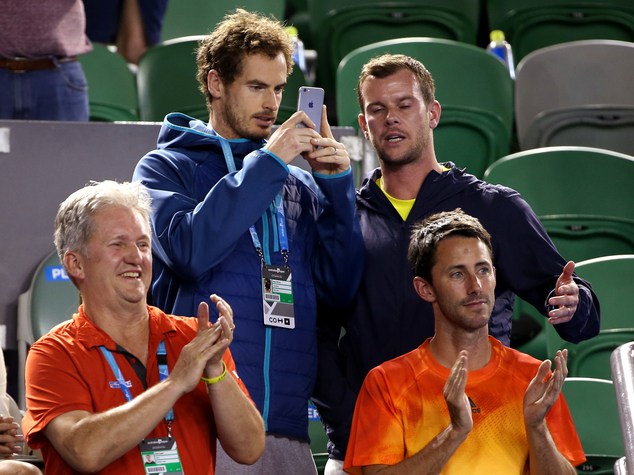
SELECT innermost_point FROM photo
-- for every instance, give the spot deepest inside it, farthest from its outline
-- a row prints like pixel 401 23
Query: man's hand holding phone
pixel 316 145
pixel 311 101
pixel 328 156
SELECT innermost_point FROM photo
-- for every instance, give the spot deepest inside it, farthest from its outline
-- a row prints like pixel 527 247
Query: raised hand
pixel 566 296
pixel 204 353
pixel 329 157
pixel 456 398
pixel 544 389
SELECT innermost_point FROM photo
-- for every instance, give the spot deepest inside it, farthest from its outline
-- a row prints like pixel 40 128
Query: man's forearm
pixel 238 423
pixel 89 442
pixel 544 457
pixel 429 461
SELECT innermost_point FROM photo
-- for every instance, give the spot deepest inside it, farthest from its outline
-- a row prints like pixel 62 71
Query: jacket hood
pixel 436 188
pixel 180 131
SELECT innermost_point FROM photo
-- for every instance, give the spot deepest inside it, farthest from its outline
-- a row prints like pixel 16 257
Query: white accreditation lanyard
pixel 277 287
pixel 159 454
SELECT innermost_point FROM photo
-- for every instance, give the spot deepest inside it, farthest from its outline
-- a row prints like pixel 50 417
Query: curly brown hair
pixel 239 34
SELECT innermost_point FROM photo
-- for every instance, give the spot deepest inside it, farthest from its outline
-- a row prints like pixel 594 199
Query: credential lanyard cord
pixel 161 354
pixel 279 210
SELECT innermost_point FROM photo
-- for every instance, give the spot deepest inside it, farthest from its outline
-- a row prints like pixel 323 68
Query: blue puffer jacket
pixel 202 245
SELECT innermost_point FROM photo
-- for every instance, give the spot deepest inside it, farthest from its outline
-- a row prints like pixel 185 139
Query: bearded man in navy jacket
pixel 231 213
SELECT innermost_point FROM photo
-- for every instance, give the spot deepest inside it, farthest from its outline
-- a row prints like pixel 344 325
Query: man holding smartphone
pixel 232 216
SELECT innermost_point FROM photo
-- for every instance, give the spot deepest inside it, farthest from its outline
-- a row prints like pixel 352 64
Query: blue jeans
pixel 60 93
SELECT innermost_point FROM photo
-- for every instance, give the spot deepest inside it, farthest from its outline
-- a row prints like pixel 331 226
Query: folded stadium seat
pixel 577 93
pixel 594 409
pixel 611 279
pixel 570 180
pixel 199 17
pixel 529 26
pixel 51 299
pixel 340 27
pixel 112 94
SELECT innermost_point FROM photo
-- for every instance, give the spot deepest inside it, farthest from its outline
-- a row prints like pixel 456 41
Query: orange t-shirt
pixel 66 371
pixel 401 408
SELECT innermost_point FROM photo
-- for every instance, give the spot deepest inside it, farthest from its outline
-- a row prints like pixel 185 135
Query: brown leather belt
pixel 21 65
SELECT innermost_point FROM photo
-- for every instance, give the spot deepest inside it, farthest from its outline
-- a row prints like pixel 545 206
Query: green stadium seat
pixel 51 299
pixel 340 27
pixel 535 24
pixel 569 180
pixel 592 403
pixel 167 82
pixel 199 17
pixel 112 94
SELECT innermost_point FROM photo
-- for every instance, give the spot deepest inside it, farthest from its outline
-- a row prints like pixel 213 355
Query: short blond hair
pixel 387 64
pixel 74 221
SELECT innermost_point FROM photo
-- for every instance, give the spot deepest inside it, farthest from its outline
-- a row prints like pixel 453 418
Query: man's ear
pixel 73 263
pixel 434 114
pixel 424 289
pixel 214 84
pixel 363 125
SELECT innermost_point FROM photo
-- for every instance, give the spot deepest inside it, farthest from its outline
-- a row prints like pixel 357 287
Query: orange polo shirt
pixel 66 371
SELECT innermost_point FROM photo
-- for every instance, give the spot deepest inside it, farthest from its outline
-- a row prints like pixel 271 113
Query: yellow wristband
pixel 217 379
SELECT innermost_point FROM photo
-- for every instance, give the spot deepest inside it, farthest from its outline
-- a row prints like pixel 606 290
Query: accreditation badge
pixel 277 296
pixel 160 455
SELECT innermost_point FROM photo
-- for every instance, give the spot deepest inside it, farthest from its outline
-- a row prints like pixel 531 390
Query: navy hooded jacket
pixel 202 245
pixel 388 319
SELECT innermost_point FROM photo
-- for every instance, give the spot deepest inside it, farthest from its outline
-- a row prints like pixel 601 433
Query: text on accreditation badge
pixel 277 296
pixel 160 455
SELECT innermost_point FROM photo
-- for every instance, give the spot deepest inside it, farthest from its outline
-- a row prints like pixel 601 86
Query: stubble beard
pixel 240 124
pixel 456 313
pixel 411 155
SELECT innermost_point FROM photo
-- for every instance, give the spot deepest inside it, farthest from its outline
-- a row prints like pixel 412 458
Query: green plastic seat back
pixel 199 17
pixel 470 137
pixel 167 81
pixel 582 237
pixel 485 84
pixel 593 406
pixel 54 298
pixel 112 93
pixel 569 180
pixel 535 24
pixel 589 358
pixel 340 27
